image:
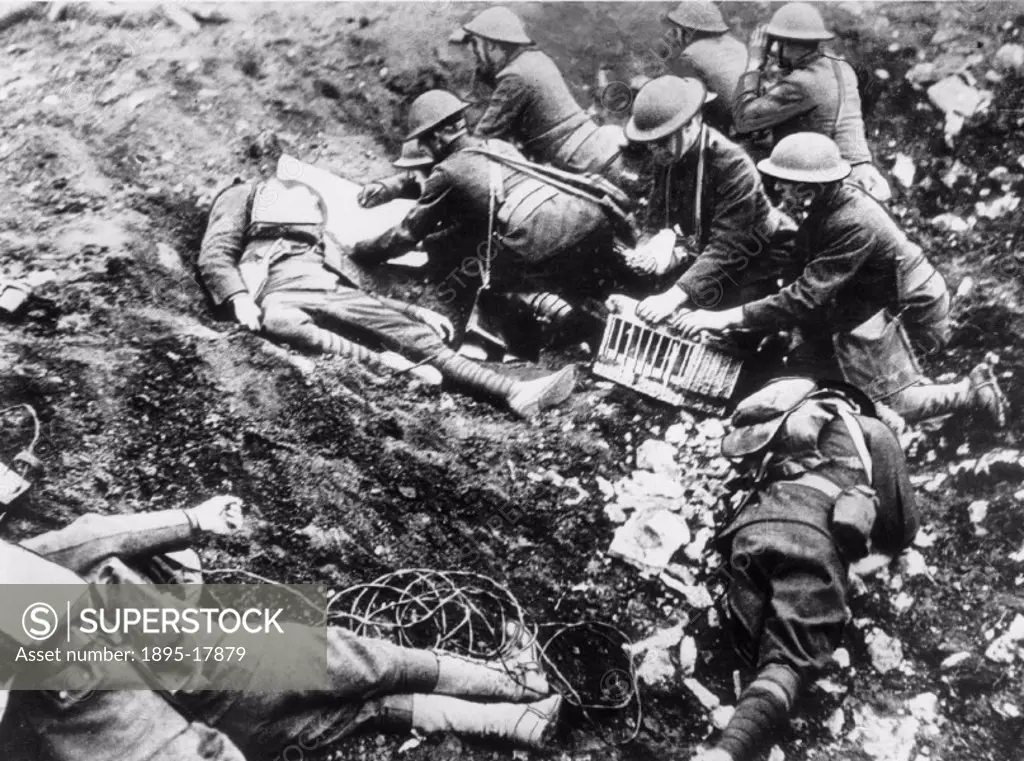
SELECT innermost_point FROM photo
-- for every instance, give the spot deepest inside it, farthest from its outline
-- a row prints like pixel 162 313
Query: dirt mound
pixel 114 138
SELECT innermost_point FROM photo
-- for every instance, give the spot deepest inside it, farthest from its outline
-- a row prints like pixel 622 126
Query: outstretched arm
pixel 93 538
pixel 432 209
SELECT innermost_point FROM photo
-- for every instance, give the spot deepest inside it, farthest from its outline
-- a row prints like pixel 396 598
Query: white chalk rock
pixel 886 652
pixel 658 457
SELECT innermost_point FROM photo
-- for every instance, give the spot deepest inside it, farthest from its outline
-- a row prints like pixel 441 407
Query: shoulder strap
pixel 698 196
pixel 575 185
pixel 841 85
pixel 857 434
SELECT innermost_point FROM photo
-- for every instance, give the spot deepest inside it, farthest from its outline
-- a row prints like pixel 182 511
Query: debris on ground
pixel 959 99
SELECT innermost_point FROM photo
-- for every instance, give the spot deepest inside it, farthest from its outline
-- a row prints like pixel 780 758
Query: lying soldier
pixel 371 680
pixel 828 483
pixel 266 253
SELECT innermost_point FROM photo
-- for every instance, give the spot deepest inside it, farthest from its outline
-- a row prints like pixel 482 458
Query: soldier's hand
pixel 692 324
pixel 246 311
pixel 437 323
pixel 757 47
pixel 218 515
pixel 372 194
pixel 656 308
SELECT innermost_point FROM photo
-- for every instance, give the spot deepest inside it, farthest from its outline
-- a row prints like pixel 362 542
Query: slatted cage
pixel 699 376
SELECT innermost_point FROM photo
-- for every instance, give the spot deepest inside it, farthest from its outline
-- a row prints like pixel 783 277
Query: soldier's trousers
pixel 143 726
pixel 317 321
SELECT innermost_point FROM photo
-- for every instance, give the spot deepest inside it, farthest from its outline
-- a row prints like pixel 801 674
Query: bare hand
pixel 437 323
pixel 656 308
pixel 372 194
pixel 692 324
pixel 757 47
pixel 246 311
pixel 218 515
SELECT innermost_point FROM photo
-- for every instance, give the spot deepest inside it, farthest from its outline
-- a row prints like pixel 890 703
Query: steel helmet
pixel 430 109
pixel 699 15
pixel 496 24
pixel 665 105
pixel 806 157
pixel 798 21
pixel 413 156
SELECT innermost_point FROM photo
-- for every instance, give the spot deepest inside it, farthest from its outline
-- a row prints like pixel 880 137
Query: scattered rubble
pixel 886 652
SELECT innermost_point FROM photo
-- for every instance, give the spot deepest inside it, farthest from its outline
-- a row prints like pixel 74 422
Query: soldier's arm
pixel 841 255
pixel 502 117
pixel 753 111
pixel 224 243
pixel 431 209
pixel 377 192
pixel 733 239
pixel 898 516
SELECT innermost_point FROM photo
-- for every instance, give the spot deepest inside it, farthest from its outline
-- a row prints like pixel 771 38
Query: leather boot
pixel 978 392
pixel 516 678
pixel 530 725
pixel 524 398
pixel 986 396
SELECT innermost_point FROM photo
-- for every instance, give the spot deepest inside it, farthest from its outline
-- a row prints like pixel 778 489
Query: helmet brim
pixel 424 128
pixel 510 39
pixel 822 36
pixel 411 163
pixel 840 172
pixel 636 135
pixel 714 27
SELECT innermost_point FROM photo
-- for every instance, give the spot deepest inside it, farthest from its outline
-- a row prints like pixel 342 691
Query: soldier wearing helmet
pixel 816 93
pixel 517 230
pixel 710 54
pixel 532 105
pixel 415 164
pixel 824 482
pixel 708 193
pixel 868 302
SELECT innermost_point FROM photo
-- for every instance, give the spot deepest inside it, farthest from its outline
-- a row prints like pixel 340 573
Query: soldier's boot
pixel 525 398
pixel 978 392
pixel 529 724
pixel 517 677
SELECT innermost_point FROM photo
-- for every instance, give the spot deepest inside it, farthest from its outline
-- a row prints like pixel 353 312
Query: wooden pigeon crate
pixel 699 376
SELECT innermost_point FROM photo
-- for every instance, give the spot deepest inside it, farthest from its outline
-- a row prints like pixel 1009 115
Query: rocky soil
pixel 114 133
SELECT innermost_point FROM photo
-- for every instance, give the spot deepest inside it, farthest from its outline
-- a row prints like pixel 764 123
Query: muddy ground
pixel 113 137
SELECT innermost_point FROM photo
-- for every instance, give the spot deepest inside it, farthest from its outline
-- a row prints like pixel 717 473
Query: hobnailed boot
pixel 524 398
pixel 530 725
pixel 986 394
pixel 978 392
pixel 517 677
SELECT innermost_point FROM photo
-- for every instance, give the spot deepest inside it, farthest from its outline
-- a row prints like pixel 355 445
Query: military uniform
pixel 819 95
pixel 543 235
pixel 718 61
pixel 788 562
pixel 737 235
pixel 532 105
pixel 147 726
pixel 858 262
pixel 258 243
